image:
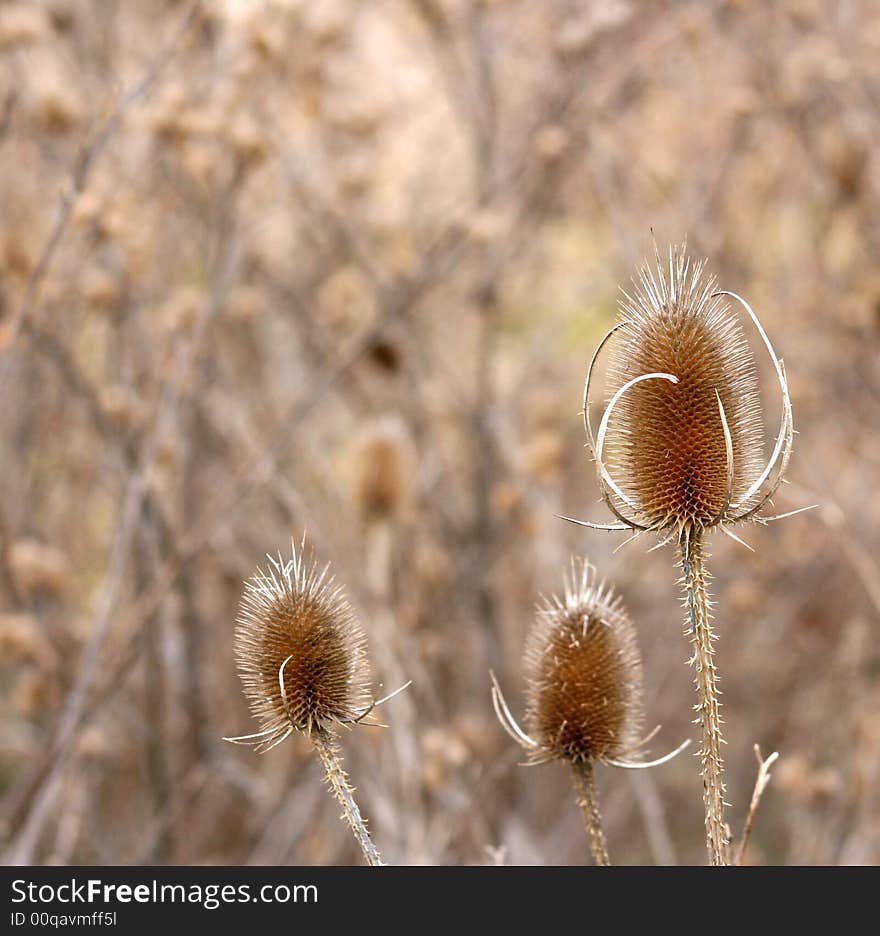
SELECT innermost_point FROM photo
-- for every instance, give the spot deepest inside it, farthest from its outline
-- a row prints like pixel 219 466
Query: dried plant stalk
pixel 584 674
pixel 761 782
pixel 706 681
pixel 588 801
pixel 337 779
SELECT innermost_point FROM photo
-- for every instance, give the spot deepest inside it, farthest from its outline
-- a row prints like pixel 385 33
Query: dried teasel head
pixel 679 448
pixel 584 678
pixel 383 468
pixel 584 674
pixel 300 650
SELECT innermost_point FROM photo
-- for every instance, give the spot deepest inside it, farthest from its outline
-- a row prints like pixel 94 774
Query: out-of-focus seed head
pixel 22 638
pixel 584 674
pixel 383 467
pixel 38 568
pixel 666 443
pixel 300 650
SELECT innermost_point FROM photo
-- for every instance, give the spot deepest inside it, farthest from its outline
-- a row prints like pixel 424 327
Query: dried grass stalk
pixel 666 443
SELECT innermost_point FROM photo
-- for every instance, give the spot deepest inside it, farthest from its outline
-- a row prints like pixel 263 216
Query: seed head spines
pixel 300 650
pixel 682 434
pixel 667 441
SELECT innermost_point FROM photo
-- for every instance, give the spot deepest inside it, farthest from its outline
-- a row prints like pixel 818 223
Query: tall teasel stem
pixel 699 629
pixel 331 760
pixel 588 801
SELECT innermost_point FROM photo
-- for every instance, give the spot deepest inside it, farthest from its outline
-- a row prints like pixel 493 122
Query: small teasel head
pixel 583 679
pixel 679 448
pixel 383 470
pixel 300 650
pixel 583 674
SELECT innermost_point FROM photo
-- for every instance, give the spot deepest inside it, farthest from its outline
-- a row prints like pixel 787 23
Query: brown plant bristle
pixel 667 449
pixel 584 674
pixel 295 627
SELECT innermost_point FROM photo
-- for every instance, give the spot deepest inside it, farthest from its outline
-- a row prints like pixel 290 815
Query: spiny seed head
pixel 300 651
pixel 666 442
pixel 584 674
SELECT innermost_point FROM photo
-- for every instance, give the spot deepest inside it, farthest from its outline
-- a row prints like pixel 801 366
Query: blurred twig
pixel 79 178
pixel 42 787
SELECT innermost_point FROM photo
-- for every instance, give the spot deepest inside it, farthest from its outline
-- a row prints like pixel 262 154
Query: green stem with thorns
pixel 337 778
pixel 588 801
pixel 699 629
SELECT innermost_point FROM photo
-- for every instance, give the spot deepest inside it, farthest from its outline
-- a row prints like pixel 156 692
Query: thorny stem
pixel 587 799
pixel 328 751
pixel 705 677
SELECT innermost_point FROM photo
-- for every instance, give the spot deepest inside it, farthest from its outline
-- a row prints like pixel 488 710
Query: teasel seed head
pixel 679 448
pixel 300 650
pixel 38 568
pixel 383 466
pixel 583 673
pixel 669 450
pixel 584 680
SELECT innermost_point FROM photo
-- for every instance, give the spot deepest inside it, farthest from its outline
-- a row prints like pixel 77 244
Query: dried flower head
pixel 685 453
pixel 670 450
pixel 383 465
pixel 584 674
pixel 300 651
pixel 584 698
pixel 38 568
pixel 302 659
pixel 22 638
pixel 679 447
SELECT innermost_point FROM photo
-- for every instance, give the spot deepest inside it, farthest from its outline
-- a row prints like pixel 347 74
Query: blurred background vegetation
pixel 269 266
